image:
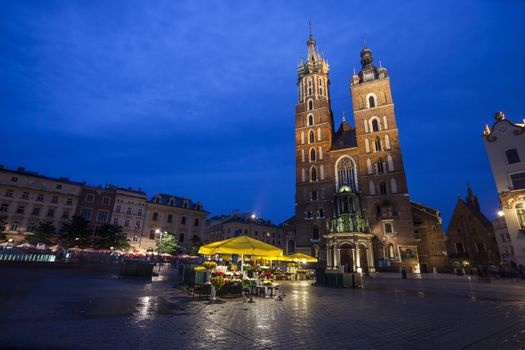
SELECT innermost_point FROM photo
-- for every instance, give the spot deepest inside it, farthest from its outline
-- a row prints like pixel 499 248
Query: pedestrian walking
pixel 403 273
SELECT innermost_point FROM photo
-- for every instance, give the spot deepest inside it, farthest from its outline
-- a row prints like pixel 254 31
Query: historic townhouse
pixel 505 145
pixel 352 203
pixel 129 212
pixel 247 224
pixel 28 198
pixel 96 205
pixel 168 214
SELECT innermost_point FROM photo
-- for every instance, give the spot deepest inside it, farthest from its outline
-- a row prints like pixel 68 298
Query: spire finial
pixel 343 115
pixel 364 42
pixel 310 27
pixel 354 71
pixel 380 64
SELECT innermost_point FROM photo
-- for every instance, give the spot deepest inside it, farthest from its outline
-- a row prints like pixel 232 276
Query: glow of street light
pixel 501 213
pixel 253 216
pixel 157 231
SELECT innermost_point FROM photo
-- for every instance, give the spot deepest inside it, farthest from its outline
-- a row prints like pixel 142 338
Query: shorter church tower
pixel 381 173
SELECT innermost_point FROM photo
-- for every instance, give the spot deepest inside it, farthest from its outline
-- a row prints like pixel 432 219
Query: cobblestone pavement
pixel 65 309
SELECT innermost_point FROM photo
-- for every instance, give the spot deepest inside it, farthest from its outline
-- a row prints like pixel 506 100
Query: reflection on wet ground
pixel 62 309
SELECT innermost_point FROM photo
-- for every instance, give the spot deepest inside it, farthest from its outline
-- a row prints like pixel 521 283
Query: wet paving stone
pixel 68 310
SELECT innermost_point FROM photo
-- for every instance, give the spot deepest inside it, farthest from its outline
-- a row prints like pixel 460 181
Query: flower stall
pixel 230 280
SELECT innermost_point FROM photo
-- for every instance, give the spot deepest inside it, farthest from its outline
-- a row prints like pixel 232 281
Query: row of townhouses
pixel 28 198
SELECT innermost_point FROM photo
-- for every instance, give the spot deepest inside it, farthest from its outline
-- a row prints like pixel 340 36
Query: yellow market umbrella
pixel 301 257
pixel 242 245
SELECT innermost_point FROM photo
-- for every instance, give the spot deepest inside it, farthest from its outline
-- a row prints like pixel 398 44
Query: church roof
pixel 344 137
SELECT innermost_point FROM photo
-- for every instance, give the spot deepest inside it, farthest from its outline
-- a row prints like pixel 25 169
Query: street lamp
pixel 501 213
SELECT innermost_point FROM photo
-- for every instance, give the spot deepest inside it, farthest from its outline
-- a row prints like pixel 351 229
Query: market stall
pixel 228 278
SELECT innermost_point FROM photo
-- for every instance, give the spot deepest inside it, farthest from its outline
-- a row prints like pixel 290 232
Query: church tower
pixel 381 173
pixel 313 138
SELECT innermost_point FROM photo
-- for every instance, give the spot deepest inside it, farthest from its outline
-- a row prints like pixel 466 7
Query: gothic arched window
pixel 313 174
pixel 382 188
pixel 310 120
pixel 375 124
pixel 378 144
pixel 313 157
pixel 311 136
pixel 380 166
pixel 371 102
pixel 346 171
pixel 310 105
pixel 315 234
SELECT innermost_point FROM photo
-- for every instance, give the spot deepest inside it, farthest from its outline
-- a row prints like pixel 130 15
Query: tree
pixel 42 234
pixel 76 233
pixel 3 224
pixel 111 236
pixel 167 245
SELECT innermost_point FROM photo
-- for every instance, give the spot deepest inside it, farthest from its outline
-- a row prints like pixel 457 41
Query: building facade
pixel 430 238
pixel 361 164
pixel 505 146
pixel 244 224
pixel 96 204
pixel 129 212
pixel 28 199
pixel 505 247
pixel 471 242
pixel 181 217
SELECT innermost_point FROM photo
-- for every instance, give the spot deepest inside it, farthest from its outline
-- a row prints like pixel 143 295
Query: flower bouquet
pixel 217 282
pixel 209 265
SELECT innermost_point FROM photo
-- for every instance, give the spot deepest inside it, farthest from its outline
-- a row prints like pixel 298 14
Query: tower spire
pixel 312 54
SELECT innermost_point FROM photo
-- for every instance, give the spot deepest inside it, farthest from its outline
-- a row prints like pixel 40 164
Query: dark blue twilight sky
pixel 197 98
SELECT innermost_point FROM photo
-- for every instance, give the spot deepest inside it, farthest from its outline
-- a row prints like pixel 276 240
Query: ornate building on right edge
pixel 352 205
pixel 505 145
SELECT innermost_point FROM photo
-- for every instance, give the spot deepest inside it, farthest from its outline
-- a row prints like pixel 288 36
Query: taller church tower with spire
pixel 314 127
pixel 352 204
